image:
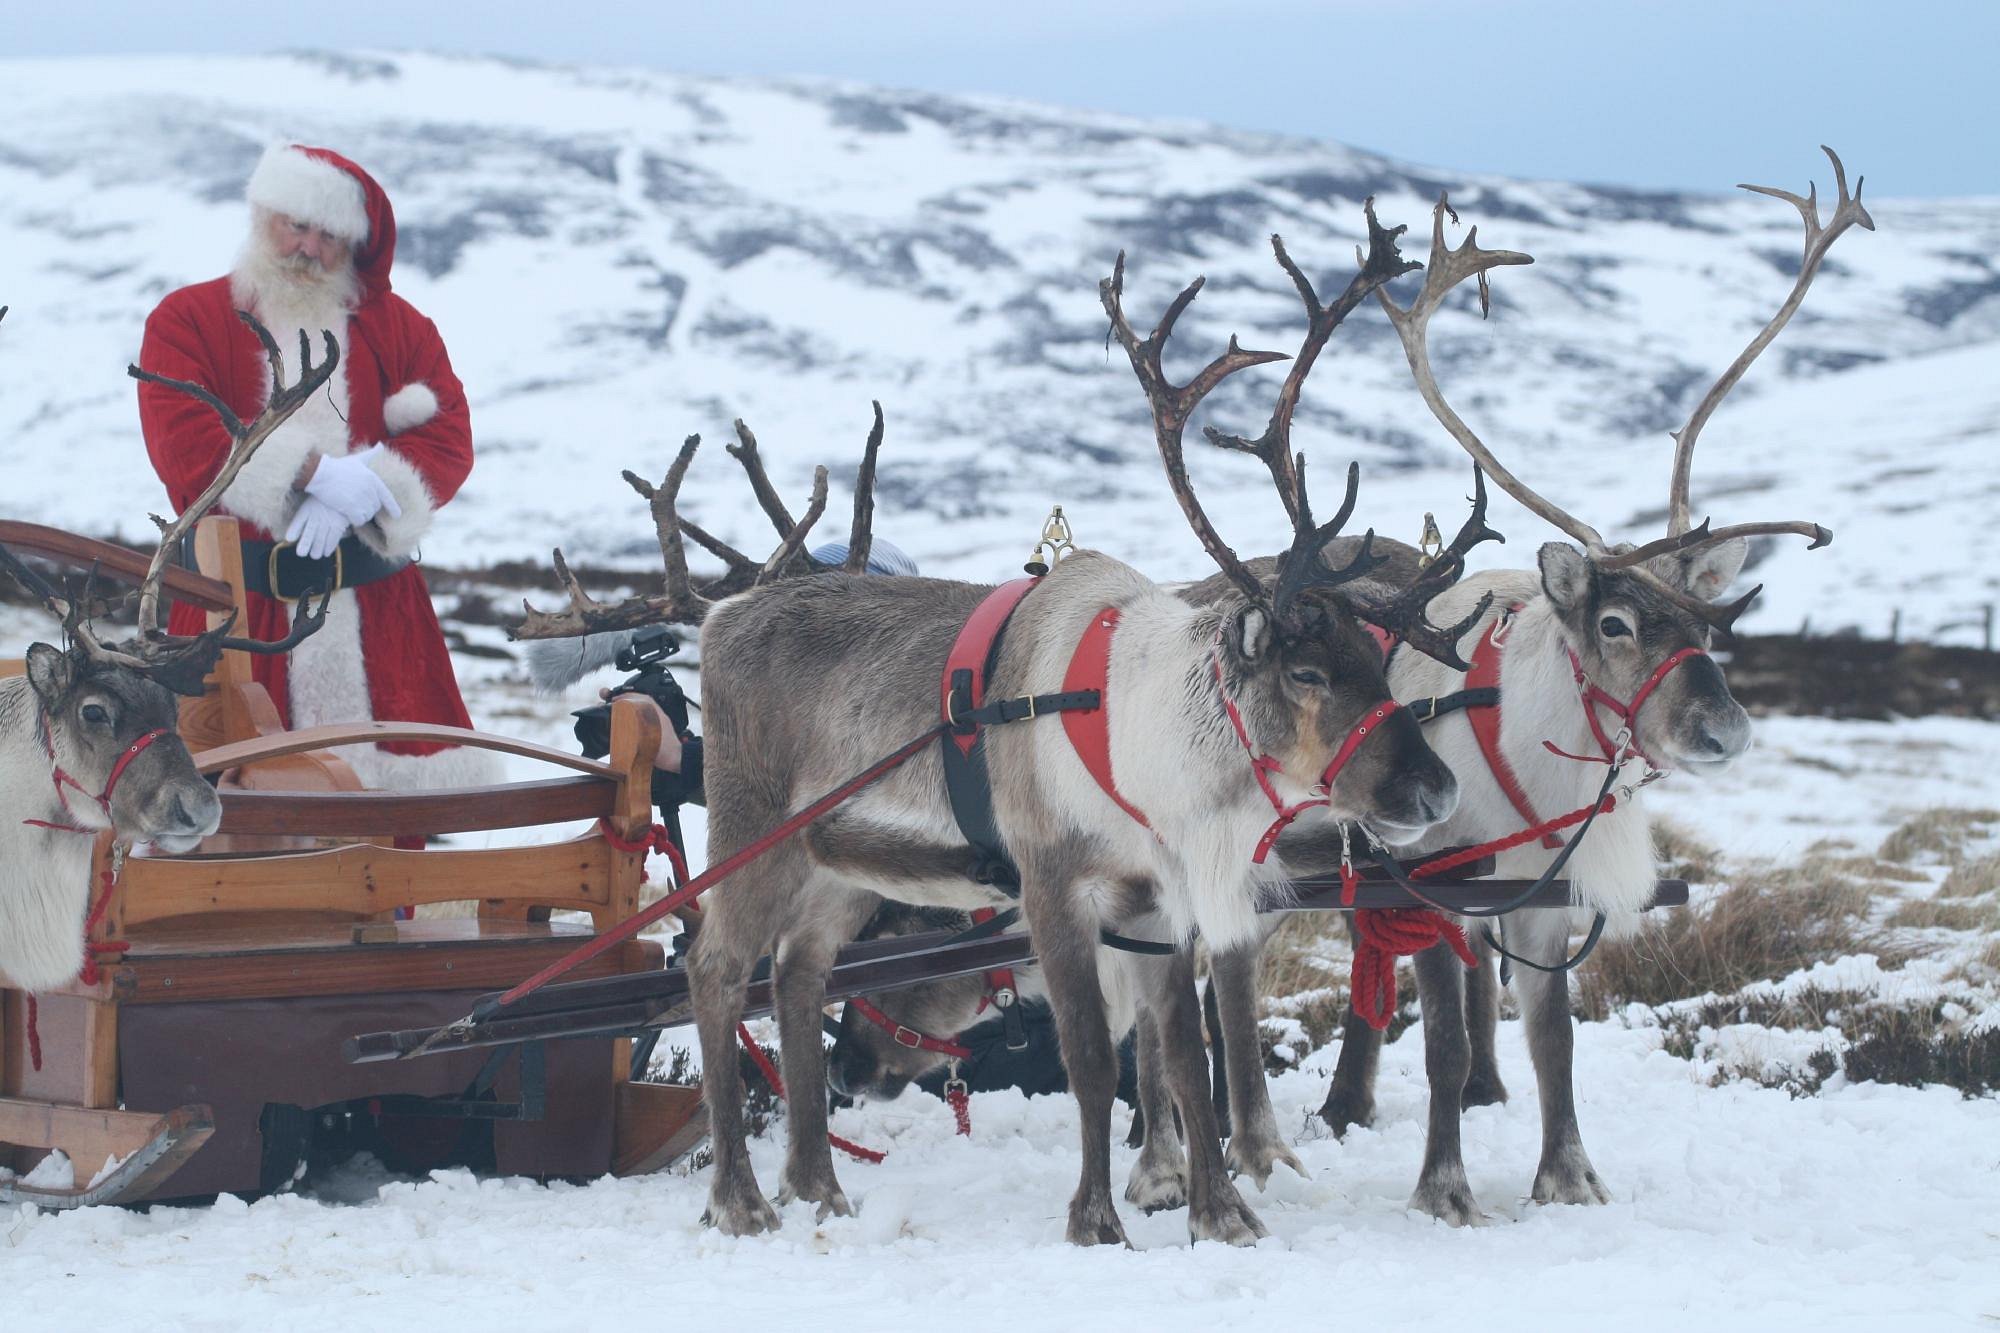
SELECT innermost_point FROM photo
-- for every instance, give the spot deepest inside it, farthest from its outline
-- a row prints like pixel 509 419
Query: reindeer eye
pixel 96 714
pixel 1611 627
pixel 1308 677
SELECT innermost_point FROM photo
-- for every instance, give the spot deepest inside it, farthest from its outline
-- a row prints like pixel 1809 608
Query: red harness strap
pixel 966 663
pixel 1090 731
pixel 908 1036
pixel 62 779
pixel 1485 719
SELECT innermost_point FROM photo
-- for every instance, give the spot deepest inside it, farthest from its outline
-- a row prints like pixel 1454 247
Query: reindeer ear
pixel 1566 575
pixel 49 673
pixel 1252 632
pixel 1709 571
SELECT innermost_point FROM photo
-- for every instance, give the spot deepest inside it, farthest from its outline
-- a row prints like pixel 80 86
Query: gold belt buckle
pixel 271 572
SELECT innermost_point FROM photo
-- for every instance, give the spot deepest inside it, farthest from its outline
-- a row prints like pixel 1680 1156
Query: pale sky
pixel 1695 94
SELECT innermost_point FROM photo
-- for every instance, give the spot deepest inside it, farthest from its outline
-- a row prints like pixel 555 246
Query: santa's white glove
pixel 316 529
pixel 349 486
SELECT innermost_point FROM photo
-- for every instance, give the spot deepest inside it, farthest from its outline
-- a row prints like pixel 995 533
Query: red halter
pixel 1594 696
pixel 62 779
pixel 1263 765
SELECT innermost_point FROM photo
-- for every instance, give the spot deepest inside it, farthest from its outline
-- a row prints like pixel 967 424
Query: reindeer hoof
pixel 1095 1222
pixel 1155 1186
pixel 1483 1088
pixel 1343 1112
pixel 740 1213
pixel 832 1200
pixel 1229 1221
pixel 1450 1202
pixel 1258 1155
pixel 1569 1179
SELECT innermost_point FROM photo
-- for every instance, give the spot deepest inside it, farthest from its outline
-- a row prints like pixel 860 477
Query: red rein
pixel 60 778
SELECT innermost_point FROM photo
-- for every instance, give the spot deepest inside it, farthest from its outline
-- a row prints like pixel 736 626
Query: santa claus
pixel 343 491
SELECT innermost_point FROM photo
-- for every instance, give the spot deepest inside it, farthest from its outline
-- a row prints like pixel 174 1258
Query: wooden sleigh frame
pixel 219 1030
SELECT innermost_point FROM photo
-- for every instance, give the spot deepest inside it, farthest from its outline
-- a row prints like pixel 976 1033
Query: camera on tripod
pixel 646 658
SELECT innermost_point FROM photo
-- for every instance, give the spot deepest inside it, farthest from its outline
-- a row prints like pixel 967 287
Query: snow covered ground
pixel 1737 1207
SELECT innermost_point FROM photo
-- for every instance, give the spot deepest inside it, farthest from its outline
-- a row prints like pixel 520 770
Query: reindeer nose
pixel 201 816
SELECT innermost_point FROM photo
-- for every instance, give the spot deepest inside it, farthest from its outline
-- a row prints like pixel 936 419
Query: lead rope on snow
pixel 770 1073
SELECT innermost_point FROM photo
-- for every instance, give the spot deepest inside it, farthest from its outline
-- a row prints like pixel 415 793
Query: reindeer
pixel 1602 658
pixel 805 679
pixel 87 739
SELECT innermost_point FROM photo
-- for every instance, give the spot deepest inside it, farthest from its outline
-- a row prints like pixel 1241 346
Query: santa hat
pixel 309 184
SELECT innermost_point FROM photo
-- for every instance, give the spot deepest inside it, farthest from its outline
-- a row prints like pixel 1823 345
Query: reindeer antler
pixel 1403 615
pixel 1303 566
pixel 179 660
pixel 1448 268
pixel 1172 404
pixel 682 603
pixel 1848 212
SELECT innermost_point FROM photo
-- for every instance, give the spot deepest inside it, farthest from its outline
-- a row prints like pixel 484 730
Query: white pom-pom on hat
pixel 291 181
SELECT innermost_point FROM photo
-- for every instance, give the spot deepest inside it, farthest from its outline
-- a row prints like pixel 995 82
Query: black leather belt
pixel 276 569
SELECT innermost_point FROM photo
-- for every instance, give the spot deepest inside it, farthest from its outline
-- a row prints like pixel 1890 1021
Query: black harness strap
pixel 1111 940
pixel 1506 958
pixel 1429 710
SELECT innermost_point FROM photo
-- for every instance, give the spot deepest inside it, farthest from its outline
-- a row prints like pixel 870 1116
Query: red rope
pixel 1387 933
pixel 961 1106
pixel 34 1033
pixel 88 975
pixel 687 893
pixel 770 1073
pixel 654 839
pixel 1466 855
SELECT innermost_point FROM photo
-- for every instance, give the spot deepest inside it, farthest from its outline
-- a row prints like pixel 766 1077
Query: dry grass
pixel 1303 954
pixel 1767 924
pixel 1682 855
pixel 1942 833
pixel 1968 879
pixel 1947 914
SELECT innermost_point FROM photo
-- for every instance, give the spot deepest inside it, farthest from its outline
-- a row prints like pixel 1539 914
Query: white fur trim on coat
pixel 262 492
pixel 408 408
pixel 329 684
pixel 290 182
pixel 399 536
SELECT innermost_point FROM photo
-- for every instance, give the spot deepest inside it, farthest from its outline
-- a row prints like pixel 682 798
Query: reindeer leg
pixel 1350 1100
pixel 1256 1147
pixel 1159 1179
pixel 1215 1210
pixel 1066 940
pixel 1218 1047
pixel 719 966
pixel 802 961
pixel 1482 1020
pixel 1442 1189
pixel 1565 1174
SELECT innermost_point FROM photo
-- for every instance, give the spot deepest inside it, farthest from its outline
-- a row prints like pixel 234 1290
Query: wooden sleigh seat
pixel 208 1054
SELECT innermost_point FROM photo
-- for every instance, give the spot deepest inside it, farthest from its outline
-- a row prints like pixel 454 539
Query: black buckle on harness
pixel 958 704
pixel 1012 1029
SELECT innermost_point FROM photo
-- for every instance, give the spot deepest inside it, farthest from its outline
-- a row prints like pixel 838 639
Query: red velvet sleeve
pixel 184 438
pixel 440 449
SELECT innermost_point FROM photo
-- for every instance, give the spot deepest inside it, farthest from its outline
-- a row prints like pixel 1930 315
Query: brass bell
pixel 1431 544
pixel 1056 540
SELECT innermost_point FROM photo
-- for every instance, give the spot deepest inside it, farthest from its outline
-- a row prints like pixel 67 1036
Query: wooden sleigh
pixel 207 1056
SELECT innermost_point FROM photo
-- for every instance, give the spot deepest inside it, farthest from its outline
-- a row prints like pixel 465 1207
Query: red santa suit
pixel 381 654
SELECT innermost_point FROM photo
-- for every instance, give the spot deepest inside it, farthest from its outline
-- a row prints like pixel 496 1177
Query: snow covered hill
pixel 620 258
